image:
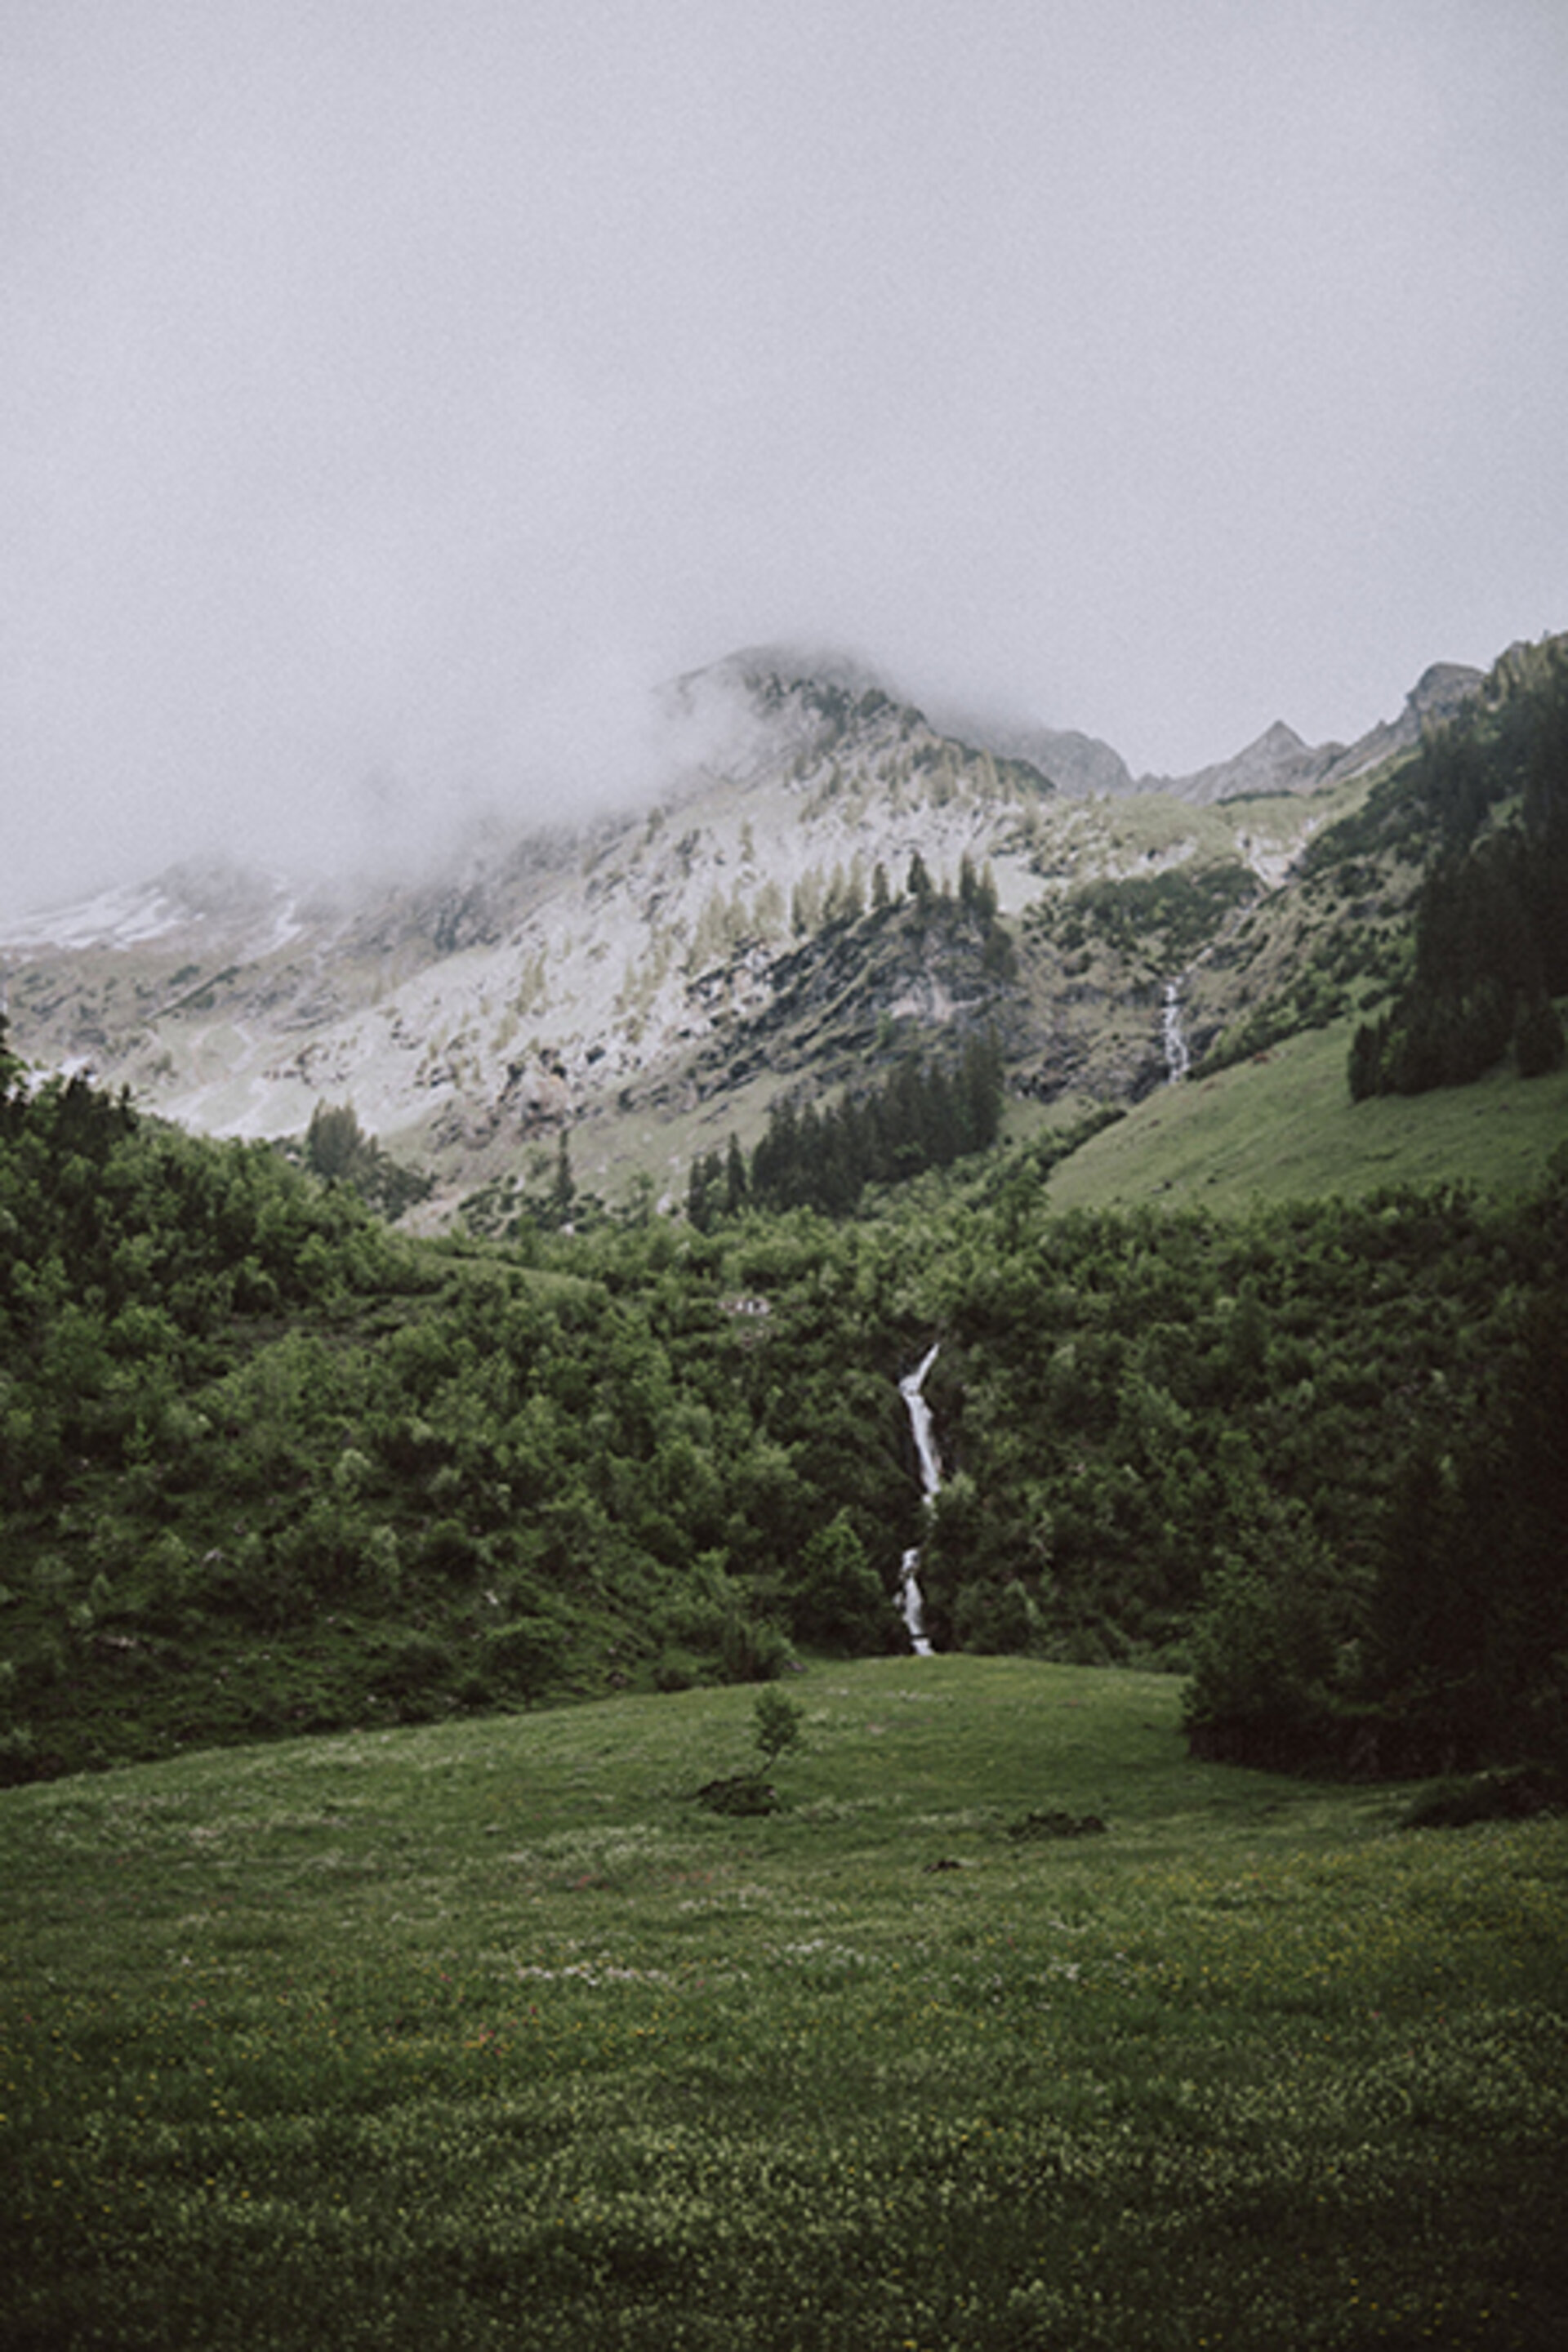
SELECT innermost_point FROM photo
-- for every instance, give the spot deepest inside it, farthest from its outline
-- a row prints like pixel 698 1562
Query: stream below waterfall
pixel 909 1601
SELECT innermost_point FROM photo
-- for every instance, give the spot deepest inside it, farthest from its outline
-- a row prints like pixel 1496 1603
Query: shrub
pixel 778 1721
pixel 753 1651
pixel 741 1792
pixel 996 1619
pixel 1488 1797
pixel 412 1662
pixel 526 1655
pixel 1265 1646
pixel 839 1600
pixel 449 1550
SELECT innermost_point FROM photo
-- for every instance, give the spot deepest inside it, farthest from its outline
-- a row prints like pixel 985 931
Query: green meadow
pixel 488 2033
pixel 1283 1126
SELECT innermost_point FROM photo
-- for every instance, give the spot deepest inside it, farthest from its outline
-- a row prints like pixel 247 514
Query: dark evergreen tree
pixel 1366 1060
pixel 1538 1041
pixel 980 1092
pixel 704 1190
pixel 333 1140
pixel 563 1188
pixel 737 1185
pixel 13 1071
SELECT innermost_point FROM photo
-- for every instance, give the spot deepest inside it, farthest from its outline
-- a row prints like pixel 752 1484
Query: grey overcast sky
pixel 391 390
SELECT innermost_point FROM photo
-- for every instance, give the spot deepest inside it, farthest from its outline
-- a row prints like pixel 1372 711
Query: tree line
pixel 922 1116
pixel 1492 915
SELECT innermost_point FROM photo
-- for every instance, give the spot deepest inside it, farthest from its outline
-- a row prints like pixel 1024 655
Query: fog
pixel 393 395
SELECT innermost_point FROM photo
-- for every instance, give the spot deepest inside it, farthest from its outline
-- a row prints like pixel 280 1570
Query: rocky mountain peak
pixel 1440 690
pixel 672 965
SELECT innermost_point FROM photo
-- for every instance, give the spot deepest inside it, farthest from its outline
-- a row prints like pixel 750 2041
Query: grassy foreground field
pixel 488 2035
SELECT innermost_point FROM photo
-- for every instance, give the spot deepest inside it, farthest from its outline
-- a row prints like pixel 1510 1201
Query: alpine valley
pixel 831 883
pixel 908 1183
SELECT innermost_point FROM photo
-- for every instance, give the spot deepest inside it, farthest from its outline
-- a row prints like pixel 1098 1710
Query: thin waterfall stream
pixel 909 1600
pixel 1178 1059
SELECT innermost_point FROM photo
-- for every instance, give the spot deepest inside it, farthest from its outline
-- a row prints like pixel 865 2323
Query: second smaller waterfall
pixel 1178 1060
pixel 909 1601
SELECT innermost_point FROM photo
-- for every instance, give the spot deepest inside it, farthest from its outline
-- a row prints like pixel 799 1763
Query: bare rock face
pixel 1080 766
pixel 1441 690
pixel 758 927
pixel 1069 762
pixel 1438 695
pixel 1278 761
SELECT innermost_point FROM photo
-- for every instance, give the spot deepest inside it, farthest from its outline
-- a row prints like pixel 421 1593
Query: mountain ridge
pixel 656 963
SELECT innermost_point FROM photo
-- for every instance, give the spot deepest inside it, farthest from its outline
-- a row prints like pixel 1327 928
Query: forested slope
pixel 1490 794
pixel 266 1465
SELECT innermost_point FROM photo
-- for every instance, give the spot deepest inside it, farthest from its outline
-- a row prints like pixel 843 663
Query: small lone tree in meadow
pixel 778 1722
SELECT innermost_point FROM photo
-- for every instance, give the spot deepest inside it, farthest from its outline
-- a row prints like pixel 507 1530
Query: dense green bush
pixel 1162 920
pixel 838 1602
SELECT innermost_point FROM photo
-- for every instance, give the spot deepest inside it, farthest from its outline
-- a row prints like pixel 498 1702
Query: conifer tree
pixel 563 1188
pixel 736 1186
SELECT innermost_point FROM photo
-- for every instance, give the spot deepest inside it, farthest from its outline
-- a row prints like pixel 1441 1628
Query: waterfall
pixel 1178 1060
pixel 909 1601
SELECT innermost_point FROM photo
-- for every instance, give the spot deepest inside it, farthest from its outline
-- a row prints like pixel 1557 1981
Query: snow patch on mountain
pixel 125 918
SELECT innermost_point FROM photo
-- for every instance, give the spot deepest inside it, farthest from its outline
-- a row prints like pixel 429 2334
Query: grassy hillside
pixel 1283 1126
pixel 488 2035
